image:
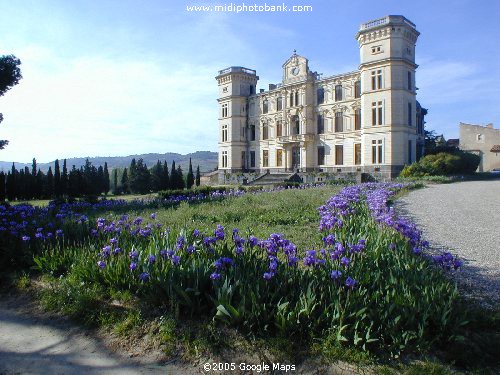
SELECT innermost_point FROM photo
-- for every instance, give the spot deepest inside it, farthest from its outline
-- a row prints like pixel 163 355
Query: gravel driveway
pixel 463 218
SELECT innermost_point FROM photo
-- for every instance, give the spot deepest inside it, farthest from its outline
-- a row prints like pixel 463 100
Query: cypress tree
pixel 57 179
pixel 142 181
pixel 10 188
pixel 49 184
pixel 173 176
pixel 165 178
pixel 39 184
pixel 34 189
pixel 156 177
pixel 190 176
pixel 64 179
pixel 115 181
pixel 125 181
pixel 14 188
pixel 100 180
pixel 106 179
pixel 73 189
pixel 2 186
pixel 198 176
pixel 180 179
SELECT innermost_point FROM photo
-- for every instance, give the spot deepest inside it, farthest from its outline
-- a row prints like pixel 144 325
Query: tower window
pixel 291 99
pixel 410 117
pixel 377 79
pixel 409 80
pixel 357 119
pixel 357 89
pixel 409 151
pixel 224 133
pixel 339 122
pixel 321 124
pixel 252 132
pixel 224 159
pixel 265 158
pixel 224 110
pixel 243 159
pixel 295 124
pixel 320 93
pixel 321 155
pixel 338 93
pixel 297 98
pixel 252 89
pixel 377 151
pixel 377 112
pixel 376 49
pixel 252 159
pixel 339 154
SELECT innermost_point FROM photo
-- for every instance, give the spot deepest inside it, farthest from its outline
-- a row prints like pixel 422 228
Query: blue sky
pixel 105 78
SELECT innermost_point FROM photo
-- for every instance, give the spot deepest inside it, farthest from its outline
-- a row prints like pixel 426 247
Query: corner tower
pixel 388 98
pixel 236 84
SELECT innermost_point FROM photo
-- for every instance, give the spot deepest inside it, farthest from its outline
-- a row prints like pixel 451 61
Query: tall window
pixel 357 119
pixel 409 151
pixel 224 110
pixel 339 154
pixel 224 159
pixel 357 153
pixel 252 159
pixel 377 113
pixel 265 158
pixel 409 80
pixel 265 131
pixel 297 98
pixel 279 128
pixel 279 158
pixel 252 89
pixel 243 159
pixel 339 122
pixel 291 99
pixel 295 124
pixel 265 106
pixel 321 124
pixel 338 93
pixel 357 89
pixel 224 133
pixel 320 94
pixel 252 132
pixel 377 79
pixel 321 155
pixel 410 118
pixel 279 103
pixel 377 151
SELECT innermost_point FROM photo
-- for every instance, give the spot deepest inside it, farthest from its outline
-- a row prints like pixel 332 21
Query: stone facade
pixel 367 120
pixel 484 141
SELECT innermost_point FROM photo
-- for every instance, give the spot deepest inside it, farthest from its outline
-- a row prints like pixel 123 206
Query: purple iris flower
pixel 350 283
pixel 345 261
pixel 335 274
pixel 132 266
pixel 151 259
pixel 215 276
pixel 144 277
pixel 101 264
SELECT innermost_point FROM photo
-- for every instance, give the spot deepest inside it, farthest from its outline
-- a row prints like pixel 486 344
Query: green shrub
pixel 443 164
pixel 198 190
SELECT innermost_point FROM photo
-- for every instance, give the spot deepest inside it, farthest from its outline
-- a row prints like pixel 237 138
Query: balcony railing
pixel 295 138
pixel 237 69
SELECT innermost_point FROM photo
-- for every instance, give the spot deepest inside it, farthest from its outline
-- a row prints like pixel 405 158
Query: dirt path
pixel 35 343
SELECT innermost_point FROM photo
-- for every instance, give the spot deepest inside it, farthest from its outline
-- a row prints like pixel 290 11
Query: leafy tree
pixel 190 176
pixel 125 182
pixel 106 179
pixel 10 74
pixel 198 176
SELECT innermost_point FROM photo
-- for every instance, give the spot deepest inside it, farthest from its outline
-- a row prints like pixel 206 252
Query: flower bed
pixel 370 285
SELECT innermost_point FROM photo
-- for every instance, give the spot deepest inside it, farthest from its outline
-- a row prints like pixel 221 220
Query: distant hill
pixel 207 160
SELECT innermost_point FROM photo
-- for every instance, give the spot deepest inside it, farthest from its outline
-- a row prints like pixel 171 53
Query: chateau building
pixel 367 120
pixel 483 140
